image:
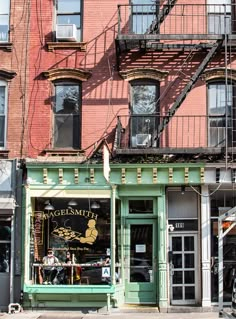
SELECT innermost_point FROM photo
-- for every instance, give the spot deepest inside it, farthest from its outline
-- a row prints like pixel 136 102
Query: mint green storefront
pixel 131 231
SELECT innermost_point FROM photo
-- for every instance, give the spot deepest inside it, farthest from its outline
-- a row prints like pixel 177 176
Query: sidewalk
pixel 112 315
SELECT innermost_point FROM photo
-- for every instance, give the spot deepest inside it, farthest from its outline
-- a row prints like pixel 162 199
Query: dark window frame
pixel 70 114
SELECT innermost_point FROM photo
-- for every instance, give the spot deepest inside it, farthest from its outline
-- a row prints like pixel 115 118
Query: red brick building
pixel 128 120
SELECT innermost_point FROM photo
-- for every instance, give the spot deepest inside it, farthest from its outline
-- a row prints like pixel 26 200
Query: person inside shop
pixel 69 279
pixel 49 273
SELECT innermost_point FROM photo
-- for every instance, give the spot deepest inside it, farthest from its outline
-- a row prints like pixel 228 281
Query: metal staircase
pixel 188 87
pixel 165 9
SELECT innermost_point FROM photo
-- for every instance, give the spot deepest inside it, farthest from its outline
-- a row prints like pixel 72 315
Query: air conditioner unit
pixel 66 32
pixel 143 140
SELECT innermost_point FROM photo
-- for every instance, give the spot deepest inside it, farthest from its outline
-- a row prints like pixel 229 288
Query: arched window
pixel 67 114
pixel 3 108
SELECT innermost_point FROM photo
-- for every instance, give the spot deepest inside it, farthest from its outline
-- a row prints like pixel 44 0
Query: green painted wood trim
pixel 162 257
pixel 63 289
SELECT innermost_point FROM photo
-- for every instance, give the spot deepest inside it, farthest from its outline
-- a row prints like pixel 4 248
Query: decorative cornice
pixel 7 74
pixel 67 73
pixel 218 73
pixel 143 73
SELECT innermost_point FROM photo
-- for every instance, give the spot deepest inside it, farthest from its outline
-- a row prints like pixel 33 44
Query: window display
pixel 79 237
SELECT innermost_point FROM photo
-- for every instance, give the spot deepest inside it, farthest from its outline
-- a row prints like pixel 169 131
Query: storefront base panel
pixel 37 297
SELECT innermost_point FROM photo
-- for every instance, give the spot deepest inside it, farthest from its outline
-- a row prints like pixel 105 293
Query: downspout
pixel 12 264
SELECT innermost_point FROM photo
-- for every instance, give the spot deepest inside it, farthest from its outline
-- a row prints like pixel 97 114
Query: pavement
pixel 113 315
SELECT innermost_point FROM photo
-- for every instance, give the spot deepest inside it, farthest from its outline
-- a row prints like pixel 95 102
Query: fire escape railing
pixel 171 19
pixel 183 132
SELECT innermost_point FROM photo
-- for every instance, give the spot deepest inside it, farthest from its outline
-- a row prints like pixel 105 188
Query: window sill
pixel 63 152
pixel 81 46
pixel 6 46
pixel 4 153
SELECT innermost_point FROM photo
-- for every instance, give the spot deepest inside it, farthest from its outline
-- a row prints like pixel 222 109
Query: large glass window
pixel 143 14
pixel 69 12
pixel 5 246
pixel 3 104
pixel 81 227
pixel 4 20
pixel 219 112
pixel 144 106
pixel 67 115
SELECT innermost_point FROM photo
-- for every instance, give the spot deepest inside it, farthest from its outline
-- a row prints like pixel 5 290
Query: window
pixel 3 104
pixel 5 246
pixel 4 20
pixel 80 229
pixel 219 17
pixel 67 115
pixel 143 14
pixel 69 12
pixel 144 97
pixel 217 113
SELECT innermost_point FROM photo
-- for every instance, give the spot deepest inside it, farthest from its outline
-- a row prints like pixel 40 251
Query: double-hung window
pixel 4 20
pixel 219 16
pixel 220 113
pixel 143 14
pixel 69 13
pixel 144 106
pixel 67 112
pixel 3 106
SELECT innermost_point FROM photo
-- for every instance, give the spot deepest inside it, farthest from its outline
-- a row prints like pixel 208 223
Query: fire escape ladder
pixel 154 27
pixel 188 87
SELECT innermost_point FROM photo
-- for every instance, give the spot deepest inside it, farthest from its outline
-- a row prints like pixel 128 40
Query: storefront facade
pixel 127 220
pixel 10 248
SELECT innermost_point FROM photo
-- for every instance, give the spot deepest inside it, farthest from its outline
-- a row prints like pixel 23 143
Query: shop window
pixel 144 106
pixel 5 246
pixel 69 23
pixel 144 12
pixel 67 115
pixel 3 108
pixel 219 114
pixel 221 201
pixel 4 20
pixel 82 230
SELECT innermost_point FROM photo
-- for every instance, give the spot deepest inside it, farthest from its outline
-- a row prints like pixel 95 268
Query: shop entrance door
pixel 140 262
pixel 183 269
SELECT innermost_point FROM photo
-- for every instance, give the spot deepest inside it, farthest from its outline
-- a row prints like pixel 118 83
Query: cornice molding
pixel 143 73
pixel 7 74
pixel 67 73
pixel 218 73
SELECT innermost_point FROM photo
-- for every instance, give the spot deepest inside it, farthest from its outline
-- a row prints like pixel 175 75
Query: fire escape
pixel 173 26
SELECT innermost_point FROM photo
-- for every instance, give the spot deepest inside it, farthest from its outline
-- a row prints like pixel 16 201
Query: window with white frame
pixel 4 20
pixel 3 106
pixel 69 13
pixel 219 16
pixel 144 12
pixel 67 112
pixel 220 113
